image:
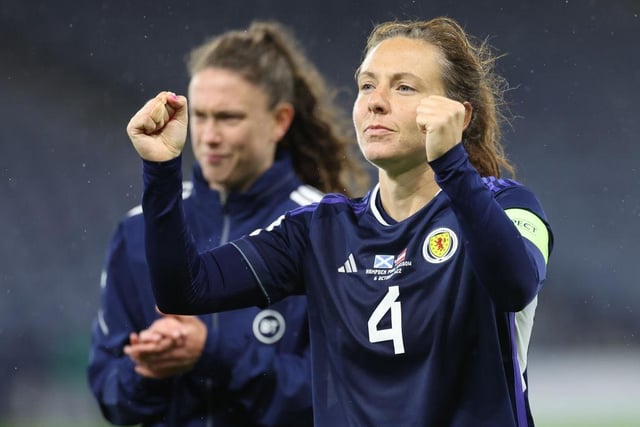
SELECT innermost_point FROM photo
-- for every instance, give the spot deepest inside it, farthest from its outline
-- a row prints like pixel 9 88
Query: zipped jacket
pixel 255 368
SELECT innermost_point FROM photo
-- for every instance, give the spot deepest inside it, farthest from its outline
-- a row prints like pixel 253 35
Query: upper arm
pixel 275 254
pixel 532 228
pixel 528 216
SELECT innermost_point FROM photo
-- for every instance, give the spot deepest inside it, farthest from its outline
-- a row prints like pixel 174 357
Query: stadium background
pixel 72 73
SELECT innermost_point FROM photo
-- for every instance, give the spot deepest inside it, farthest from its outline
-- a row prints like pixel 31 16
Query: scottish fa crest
pixel 440 245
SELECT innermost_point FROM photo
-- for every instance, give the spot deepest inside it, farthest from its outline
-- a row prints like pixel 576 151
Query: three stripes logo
pixel 349 266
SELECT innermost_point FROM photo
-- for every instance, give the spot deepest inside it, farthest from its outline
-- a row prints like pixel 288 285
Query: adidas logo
pixel 349 265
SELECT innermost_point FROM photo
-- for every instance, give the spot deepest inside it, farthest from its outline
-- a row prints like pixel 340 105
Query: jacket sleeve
pixel 124 397
pixel 271 382
pixel 510 266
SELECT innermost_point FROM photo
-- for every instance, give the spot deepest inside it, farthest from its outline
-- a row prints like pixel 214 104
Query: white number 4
pixel 394 333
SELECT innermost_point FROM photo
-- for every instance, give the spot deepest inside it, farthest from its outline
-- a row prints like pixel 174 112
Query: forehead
pixel 220 84
pixel 399 55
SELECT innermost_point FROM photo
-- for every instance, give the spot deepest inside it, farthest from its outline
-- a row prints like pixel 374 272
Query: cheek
pixel 194 133
pixel 359 109
pixel 193 136
pixel 409 121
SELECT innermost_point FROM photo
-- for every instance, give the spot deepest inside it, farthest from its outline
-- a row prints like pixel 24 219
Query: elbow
pixel 174 307
pixel 169 299
pixel 165 304
pixel 518 294
pixel 518 300
pixel 165 307
pixel 180 304
pixel 518 285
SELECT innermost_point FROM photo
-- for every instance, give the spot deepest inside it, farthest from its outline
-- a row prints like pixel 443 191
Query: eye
pixel 365 86
pixel 402 88
pixel 230 117
pixel 198 115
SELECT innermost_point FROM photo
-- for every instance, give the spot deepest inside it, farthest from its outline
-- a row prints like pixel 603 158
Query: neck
pixel 405 194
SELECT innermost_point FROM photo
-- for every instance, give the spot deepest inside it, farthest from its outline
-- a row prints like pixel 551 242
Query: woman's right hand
pixel 158 131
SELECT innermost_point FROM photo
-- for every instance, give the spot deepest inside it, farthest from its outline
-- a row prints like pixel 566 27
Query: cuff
pixel 449 161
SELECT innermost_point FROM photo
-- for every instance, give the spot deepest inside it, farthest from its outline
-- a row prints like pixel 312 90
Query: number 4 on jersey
pixel 394 333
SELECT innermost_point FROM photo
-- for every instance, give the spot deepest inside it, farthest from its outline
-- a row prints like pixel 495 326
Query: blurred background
pixel 73 74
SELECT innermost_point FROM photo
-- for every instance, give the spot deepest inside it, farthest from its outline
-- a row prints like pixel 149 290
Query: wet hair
pixel 468 75
pixel 320 138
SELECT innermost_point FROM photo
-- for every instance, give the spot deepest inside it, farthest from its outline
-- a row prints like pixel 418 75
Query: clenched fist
pixel 158 130
pixel 442 120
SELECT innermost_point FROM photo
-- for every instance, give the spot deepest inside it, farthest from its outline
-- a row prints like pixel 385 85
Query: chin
pixel 377 161
pixel 376 156
pixel 212 177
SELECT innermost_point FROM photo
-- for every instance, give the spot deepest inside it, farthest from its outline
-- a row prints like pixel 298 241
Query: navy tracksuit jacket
pixel 255 369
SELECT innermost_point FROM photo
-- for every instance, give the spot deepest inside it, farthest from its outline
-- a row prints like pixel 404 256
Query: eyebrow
pixel 394 76
pixel 220 114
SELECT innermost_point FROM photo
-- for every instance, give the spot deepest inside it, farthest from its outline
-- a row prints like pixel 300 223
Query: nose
pixel 378 102
pixel 210 132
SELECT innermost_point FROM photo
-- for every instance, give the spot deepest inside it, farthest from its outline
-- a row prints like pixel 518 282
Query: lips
pixel 215 158
pixel 376 130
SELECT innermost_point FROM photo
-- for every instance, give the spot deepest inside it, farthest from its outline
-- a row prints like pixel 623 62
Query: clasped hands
pixel 170 346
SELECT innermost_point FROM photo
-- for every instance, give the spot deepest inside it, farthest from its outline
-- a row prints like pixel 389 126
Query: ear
pixel 283 116
pixel 468 111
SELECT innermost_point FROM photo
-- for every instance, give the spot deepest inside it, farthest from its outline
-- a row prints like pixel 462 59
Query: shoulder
pixel 134 215
pixel 304 195
pixel 504 188
pixel 332 204
pixel 513 194
pixel 497 185
pixel 310 199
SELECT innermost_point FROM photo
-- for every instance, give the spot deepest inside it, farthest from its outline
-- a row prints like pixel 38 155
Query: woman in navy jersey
pixel 422 293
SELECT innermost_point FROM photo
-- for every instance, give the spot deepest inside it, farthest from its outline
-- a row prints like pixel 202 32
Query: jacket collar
pixel 280 177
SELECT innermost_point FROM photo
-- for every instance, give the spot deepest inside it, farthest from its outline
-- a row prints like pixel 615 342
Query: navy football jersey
pixel 423 322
